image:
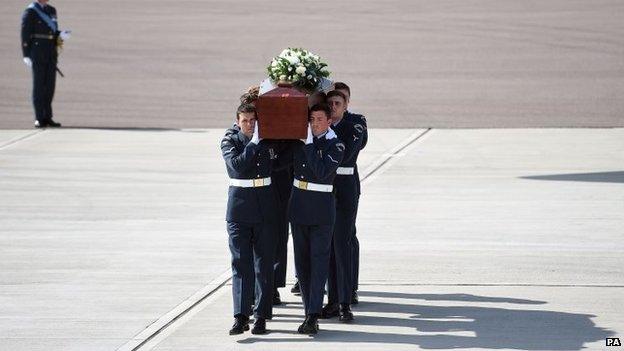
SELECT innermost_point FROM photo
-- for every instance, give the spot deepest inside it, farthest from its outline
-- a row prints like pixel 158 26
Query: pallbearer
pixel 251 220
pixel 340 282
pixel 356 119
pixel 317 97
pixel 281 179
pixel 312 210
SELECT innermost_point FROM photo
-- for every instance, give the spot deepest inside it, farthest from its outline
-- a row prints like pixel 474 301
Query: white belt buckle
pixel 258 182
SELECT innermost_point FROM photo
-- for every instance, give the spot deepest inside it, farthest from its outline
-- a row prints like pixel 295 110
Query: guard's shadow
pixel 453 327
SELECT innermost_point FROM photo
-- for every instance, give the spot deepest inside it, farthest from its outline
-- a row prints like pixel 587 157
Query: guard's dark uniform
pixel 251 220
pixel 39 44
pixel 355 243
pixel 312 213
pixel 340 282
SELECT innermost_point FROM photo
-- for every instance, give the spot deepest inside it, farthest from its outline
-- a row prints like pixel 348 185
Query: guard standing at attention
pixel 340 282
pixel 251 221
pixel 312 210
pixel 40 40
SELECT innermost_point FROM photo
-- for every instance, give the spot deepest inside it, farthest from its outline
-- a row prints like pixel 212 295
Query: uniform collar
pixel 322 135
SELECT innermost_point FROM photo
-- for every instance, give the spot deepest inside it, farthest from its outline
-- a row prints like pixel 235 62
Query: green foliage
pixel 300 67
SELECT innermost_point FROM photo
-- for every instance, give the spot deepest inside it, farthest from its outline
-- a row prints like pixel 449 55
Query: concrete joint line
pixel 172 320
pixel 386 160
pixel 158 331
pixel 22 138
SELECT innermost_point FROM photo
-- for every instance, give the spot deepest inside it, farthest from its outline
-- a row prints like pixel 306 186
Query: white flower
pixel 274 63
pixel 292 59
pixel 282 77
pixel 300 70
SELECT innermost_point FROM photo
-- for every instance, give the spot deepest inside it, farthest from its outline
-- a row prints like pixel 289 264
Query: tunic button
pixel 257 164
pixel 304 165
pixel 301 177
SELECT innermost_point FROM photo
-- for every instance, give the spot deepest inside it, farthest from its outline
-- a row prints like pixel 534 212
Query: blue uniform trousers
pixel 355 254
pixel 44 82
pixel 312 245
pixel 340 282
pixel 282 180
pixel 253 248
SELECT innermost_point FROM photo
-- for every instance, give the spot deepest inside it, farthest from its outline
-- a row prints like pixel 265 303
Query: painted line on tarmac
pixel 167 324
pixel 22 138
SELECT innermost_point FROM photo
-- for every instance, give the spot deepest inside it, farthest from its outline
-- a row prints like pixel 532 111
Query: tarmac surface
pixel 416 64
pixel 470 239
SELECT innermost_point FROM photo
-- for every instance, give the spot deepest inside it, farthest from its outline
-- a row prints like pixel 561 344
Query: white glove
pixel 310 136
pixel 66 34
pixel 255 138
pixel 28 61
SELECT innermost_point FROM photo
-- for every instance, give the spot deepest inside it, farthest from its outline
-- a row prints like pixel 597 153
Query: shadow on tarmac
pixel 450 297
pixel 598 177
pixel 436 327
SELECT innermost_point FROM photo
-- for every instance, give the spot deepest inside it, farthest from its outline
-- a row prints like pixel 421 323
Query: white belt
pixel 326 188
pixel 250 183
pixel 345 170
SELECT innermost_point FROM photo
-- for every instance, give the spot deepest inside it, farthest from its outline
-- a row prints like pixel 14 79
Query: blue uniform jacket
pixel 347 186
pixel 32 24
pixel 245 160
pixel 315 163
pixel 361 120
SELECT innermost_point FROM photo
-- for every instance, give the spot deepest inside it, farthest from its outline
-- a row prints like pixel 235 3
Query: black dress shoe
pixel 276 298
pixel 241 324
pixel 296 289
pixel 309 326
pixel 355 298
pixel 40 124
pixel 53 124
pixel 259 327
pixel 330 310
pixel 345 313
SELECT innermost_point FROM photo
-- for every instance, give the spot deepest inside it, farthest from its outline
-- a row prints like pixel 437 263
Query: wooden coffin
pixel 282 114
